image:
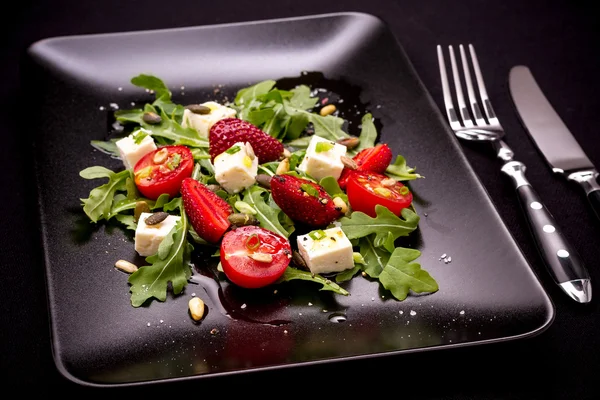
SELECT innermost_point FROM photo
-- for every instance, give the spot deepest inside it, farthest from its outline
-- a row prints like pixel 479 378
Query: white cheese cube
pixel 203 122
pixel 323 158
pixel 130 151
pixel 236 168
pixel 326 250
pixel 149 237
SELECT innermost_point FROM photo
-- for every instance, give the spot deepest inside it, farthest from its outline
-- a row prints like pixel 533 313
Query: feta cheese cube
pixel 323 158
pixel 132 149
pixel 326 250
pixel 149 237
pixel 236 168
pixel 203 122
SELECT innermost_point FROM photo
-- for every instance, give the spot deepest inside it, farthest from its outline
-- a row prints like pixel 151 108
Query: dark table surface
pixel 556 39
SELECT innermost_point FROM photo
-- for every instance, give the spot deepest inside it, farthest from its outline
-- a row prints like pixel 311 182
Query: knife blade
pixel 551 136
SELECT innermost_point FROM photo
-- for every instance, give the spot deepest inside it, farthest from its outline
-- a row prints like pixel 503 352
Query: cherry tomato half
pixel 367 189
pixel 163 170
pixel 253 257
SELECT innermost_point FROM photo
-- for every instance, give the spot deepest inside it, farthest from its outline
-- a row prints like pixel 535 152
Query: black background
pixel 558 40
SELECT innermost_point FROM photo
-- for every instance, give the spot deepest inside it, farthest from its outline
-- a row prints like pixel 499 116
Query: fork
pixel 473 124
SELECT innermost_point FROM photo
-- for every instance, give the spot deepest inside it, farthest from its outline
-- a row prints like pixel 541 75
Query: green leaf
pixel 400 171
pixel 368 133
pixel 265 213
pixel 332 187
pixel 173 131
pixel 100 201
pixel 246 95
pixel 302 99
pixel 294 273
pixel 401 275
pixel 348 274
pixel 108 147
pixel 127 220
pixel 153 83
pixel 169 266
pixel 328 127
pixel 360 224
pixel 375 257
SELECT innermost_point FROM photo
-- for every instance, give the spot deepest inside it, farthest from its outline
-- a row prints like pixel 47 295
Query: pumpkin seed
pixel 198 109
pixel 349 163
pixel 349 142
pixel 241 219
pixel 140 207
pixel 156 218
pixel 151 118
pixel 299 261
pixel 264 180
pixel 213 187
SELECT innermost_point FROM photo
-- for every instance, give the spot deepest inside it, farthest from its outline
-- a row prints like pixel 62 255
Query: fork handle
pixel 561 258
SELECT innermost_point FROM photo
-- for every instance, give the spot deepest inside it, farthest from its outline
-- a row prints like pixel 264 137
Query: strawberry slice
pixel 228 131
pixel 304 201
pixel 206 211
pixel 372 159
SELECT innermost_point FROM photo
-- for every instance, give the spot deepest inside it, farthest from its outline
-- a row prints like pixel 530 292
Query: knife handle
pixel 561 258
pixel 588 181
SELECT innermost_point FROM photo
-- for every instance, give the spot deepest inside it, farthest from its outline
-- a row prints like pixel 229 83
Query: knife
pixel 551 135
pixel 565 156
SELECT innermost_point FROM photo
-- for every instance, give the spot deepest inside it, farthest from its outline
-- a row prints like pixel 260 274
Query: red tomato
pixel 367 189
pixel 163 170
pixel 253 257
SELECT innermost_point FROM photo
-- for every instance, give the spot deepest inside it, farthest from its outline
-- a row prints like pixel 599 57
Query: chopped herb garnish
pixel 322 147
pixel 233 150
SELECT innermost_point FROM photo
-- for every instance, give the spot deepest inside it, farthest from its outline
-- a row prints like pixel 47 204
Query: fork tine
pixel 470 91
pixel 448 103
pixel 464 112
pixel 487 105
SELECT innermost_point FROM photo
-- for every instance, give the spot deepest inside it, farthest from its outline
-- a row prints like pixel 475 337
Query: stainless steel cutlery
pixel 478 122
pixel 551 135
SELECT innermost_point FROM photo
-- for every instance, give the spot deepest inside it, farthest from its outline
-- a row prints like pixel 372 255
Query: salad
pixel 271 184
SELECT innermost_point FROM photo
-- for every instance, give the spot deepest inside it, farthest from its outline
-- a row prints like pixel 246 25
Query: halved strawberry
pixel 228 131
pixel 372 159
pixel 304 201
pixel 206 211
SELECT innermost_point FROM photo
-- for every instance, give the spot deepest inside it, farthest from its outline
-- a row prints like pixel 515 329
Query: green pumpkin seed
pixel 198 109
pixel 156 218
pixel 151 118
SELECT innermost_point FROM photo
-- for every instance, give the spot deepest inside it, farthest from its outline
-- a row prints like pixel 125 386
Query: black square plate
pixel 488 292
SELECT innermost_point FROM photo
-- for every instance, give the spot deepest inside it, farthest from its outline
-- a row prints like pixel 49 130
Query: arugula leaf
pixel 328 127
pixel 294 273
pixel 401 275
pixel 153 83
pixel 302 99
pixel 368 133
pixel 170 265
pixel 400 171
pixel 108 147
pixel 246 95
pixel 265 213
pixel 385 223
pixel 375 257
pixel 332 187
pixel 347 274
pixel 100 201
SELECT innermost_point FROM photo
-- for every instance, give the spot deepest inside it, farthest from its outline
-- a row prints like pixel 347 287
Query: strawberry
pixel 304 201
pixel 372 159
pixel 228 131
pixel 206 211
